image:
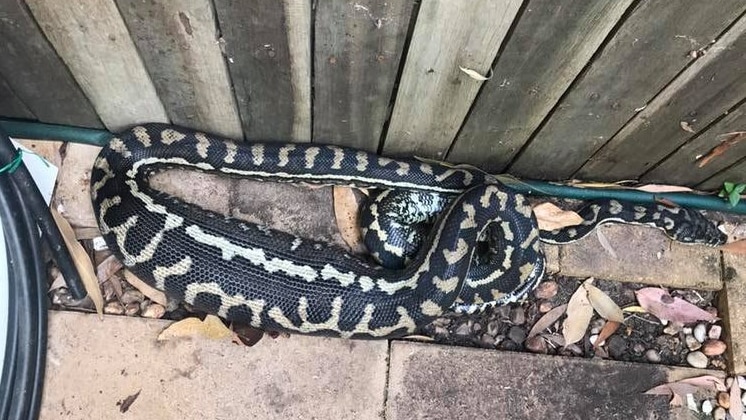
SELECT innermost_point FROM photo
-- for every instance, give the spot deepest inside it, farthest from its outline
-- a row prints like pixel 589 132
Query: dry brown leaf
pixel 125 404
pixel 737 247
pixel 107 268
pixel 555 339
pixel 605 244
pixel 607 331
pixel 659 303
pixel 149 291
pixel 579 313
pixel 731 140
pixel 666 202
pixel 686 127
pixel 212 328
pixel 676 390
pixel 603 304
pixel 736 404
pixel 416 337
pixel 707 382
pixel 246 334
pixel 347 215
pixel 551 217
pixel 81 261
pixel 547 320
pixel 475 74
pixel 659 188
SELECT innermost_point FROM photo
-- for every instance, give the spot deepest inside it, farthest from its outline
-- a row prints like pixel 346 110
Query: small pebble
pixel 697 359
pixel 574 349
pixel 131 309
pixel 718 363
pixel 502 312
pixel 638 348
pixel 653 356
pixel 691 343
pixel 741 382
pixel 672 329
pixel 114 308
pixel 463 329
pixel 724 400
pixel 593 339
pixel 687 330
pixel 719 414
pixel 517 334
pixel 546 290
pixel 156 310
pixel 518 316
pixel 715 332
pixel 536 344
pixel 545 306
pixel 617 346
pixel 132 295
pixel 493 327
pixel 476 328
pixel 713 348
pixel 488 340
pixel 707 407
pixel 700 332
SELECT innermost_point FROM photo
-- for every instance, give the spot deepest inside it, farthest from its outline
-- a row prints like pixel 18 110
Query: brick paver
pixel 733 307
pixel 91 365
pixel 642 255
pixel 429 381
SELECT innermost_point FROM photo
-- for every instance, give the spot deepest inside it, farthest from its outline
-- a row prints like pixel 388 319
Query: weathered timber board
pixel 10 105
pixel 178 41
pixel 705 90
pixel 358 47
pixel 550 45
pixel 650 48
pixel 684 167
pixel 93 41
pixel 735 173
pixel 267 45
pixel 434 95
pixel 36 74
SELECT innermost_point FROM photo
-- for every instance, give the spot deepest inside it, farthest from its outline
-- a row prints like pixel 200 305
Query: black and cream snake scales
pixel 276 281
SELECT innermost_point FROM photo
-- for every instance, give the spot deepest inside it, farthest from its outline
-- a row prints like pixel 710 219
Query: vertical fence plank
pixel 178 42
pixel 647 52
pixel 36 74
pixel 256 35
pixel 298 19
pixel 92 39
pixel 358 45
pixel 434 95
pixel 550 45
pixel 683 167
pixel 735 174
pixel 705 90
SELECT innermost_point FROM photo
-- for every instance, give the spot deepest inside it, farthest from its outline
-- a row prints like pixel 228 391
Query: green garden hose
pixel 41 131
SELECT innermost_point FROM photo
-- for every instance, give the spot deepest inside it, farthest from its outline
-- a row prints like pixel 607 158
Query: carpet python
pixel 276 281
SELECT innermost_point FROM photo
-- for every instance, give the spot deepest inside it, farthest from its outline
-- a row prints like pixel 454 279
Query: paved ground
pixel 94 365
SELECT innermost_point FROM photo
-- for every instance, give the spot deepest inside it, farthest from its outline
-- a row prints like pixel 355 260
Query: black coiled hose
pixel 22 378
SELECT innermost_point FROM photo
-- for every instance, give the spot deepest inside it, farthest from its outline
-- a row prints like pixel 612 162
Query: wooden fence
pixel 598 90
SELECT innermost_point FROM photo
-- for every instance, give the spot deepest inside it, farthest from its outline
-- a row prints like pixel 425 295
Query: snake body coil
pixel 274 280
